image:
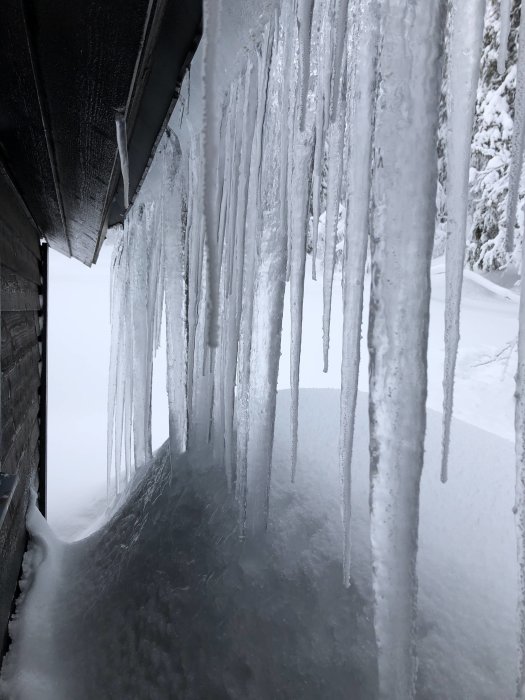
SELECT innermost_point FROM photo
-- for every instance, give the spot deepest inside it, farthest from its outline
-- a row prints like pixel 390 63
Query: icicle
pixel 340 23
pixel 519 508
pixel 360 118
pixel 175 267
pixel 122 143
pixel 335 174
pixel 463 76
pixel 253 230
pixel 233 184
pixel 324 50
pixel 402 226
pixel 304 18
pixel 156 280
pixel 505 13
pixel 248 130
pixel 211 14
pixel 289 10
pixel 268 302
pixel 518 137
pixel 116 351
pixel 245 123
pixel 194 257
pixel 300 210
pixel 316 182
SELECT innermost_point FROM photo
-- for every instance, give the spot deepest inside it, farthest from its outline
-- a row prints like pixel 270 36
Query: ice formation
pixel 506 7
pixel 336 103
pixel 463 77
pixel 122 143
pixel 520 484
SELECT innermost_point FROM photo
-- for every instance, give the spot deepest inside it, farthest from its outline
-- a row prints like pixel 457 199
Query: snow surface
pixel 166 601
pixel 286 627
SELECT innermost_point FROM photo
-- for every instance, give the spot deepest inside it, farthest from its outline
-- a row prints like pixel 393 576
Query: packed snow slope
pixel 165 600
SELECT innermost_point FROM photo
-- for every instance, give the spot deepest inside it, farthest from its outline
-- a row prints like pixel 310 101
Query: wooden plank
pixel 24 149
pixel 17 374
pixel 19 332
pixel 16 405
pixel 19 397
pixel 16 216
pixel 23 443
pixel 8 484
pixel 15 256
pixel 23 461
pixel 17 429
pixel 17 293
pixel 13 537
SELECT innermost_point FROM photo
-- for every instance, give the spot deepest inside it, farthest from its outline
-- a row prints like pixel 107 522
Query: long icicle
pixel 324 49
pixel 519 508
pixel 463 76
pixel 268 304
pixel 211 15
pixel 340 21
pixel 289 11
pixel 305 14
pixel 403 219
pixel 122 143
pixel 300 207
pixel 335 175
pixel 253 228
pixel 505 14
pixel 360 118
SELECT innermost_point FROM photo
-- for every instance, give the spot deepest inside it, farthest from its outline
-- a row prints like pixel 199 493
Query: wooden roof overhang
pixel 67 66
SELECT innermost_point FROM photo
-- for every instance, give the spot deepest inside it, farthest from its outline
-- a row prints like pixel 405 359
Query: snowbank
pixel 165 601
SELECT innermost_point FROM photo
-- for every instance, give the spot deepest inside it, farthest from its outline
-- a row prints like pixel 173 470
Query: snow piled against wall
pixel 166 601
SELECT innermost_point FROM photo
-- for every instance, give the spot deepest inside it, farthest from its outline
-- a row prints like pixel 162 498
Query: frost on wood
pixel 333 110
pixel 463 77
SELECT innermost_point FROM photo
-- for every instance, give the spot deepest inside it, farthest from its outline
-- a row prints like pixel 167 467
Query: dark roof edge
pixel 166 54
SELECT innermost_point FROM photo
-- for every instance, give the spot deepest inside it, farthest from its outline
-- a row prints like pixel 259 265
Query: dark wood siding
pixel 20 299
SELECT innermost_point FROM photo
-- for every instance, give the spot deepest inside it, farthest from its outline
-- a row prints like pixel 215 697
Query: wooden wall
pixel 21 319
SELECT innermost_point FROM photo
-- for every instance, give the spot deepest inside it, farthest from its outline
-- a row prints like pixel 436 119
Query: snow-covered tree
pixel 491 149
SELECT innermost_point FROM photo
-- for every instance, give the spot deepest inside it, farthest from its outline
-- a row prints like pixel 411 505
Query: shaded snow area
pixel 165 601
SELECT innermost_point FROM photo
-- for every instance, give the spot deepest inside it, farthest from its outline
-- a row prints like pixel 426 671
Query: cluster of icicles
pixel 352 87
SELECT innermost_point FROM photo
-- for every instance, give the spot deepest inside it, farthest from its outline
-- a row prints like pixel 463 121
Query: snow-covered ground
pixel 487 355
pixel 277 623
pixel 165 600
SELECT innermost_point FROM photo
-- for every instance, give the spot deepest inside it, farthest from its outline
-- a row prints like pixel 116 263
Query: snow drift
pixel 166 600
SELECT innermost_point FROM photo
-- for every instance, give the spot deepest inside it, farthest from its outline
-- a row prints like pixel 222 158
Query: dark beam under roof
pixel 66 68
